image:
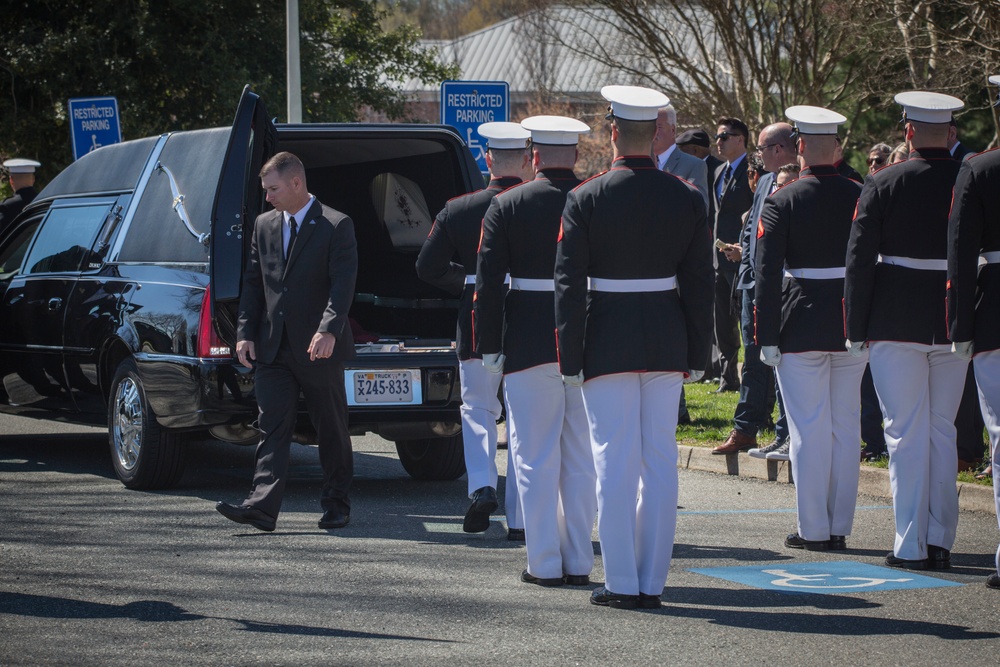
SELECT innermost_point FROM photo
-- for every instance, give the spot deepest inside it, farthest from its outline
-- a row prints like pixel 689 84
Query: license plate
pixel 386 387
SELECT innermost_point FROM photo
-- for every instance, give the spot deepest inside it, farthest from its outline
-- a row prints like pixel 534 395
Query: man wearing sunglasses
pixel 733 198
pixel 878 157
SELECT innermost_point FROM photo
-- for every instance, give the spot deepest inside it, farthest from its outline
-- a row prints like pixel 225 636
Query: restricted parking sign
pixel 465 105
pixel 93 123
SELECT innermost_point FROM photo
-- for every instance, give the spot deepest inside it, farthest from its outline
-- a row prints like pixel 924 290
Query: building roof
pixel 567 51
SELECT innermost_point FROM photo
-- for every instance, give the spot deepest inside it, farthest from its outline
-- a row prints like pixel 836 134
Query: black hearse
pixel 120 285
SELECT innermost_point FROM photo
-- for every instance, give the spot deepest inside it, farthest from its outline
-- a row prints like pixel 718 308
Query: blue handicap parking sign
pixel 824 577
pixel 465 105
pixel 93 123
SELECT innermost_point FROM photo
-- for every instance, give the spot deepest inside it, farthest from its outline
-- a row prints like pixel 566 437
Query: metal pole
pixel 294 76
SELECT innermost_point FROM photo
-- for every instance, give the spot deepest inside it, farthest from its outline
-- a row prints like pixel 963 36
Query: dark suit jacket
pixel 311 292
pixel 711 166
pixel 736 200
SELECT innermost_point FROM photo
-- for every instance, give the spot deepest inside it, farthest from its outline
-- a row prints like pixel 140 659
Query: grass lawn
pixel 712 419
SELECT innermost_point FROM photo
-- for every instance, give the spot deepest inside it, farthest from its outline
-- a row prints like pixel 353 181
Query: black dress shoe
pixel 838 543
pixel 938 558
pixel 647 601
pixel 605 598
pixel 576 579
pixel 248 515
pixel 795 541
pixel 528 578
pixel 892 561
pixel 515 534
pixel 993 581
pixel 477 518
pixel 331 519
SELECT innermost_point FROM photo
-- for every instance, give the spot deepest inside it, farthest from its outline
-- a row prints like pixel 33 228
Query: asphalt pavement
pixel 92 573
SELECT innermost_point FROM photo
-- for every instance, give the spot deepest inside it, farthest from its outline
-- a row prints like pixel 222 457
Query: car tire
pixel 432 459
pixel 144 455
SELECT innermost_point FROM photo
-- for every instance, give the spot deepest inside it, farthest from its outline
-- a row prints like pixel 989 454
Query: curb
pixel 872 481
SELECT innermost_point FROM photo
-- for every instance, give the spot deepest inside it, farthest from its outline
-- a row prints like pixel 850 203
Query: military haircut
pixel 286 165
pixel 505 159
pixel 635 131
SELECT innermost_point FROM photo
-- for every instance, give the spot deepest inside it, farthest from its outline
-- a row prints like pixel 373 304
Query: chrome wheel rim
pixel 127 426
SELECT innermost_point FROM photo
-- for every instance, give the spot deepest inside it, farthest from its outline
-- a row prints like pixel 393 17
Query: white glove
pixel 494 362
pixel 694 376
pixel 856 348
pixel 573 380
pixel 962 349
pixel 770 355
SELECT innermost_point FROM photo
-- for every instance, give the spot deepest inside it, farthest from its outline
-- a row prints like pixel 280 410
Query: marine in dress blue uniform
pixel 515 333
pixel 634 298
pixel 21 173
pixel 894 298
pixel 448 260
pixel 974 290
pixel 802 240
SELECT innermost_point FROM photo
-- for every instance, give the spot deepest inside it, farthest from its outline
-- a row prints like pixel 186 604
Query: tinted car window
pixel 65 239
pixel 12 254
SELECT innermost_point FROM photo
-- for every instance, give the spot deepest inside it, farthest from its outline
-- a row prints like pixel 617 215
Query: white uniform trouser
pixel 633 424
pixel 480 411
pixel 919 388
pixel 987 367
pixel 822 395
pixel 550 443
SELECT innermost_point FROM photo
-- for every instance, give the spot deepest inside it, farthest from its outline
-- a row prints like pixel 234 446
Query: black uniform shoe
pixel 795 541
pixel 248 515
pixel 515 534
pixel 576 579
pixel 838 543
pixel 331 519
pixel 993 581
pixel 605 598
pixel 649 601
pixel 938 558
pixel 529 578
pixel 892 561
pixel 477 518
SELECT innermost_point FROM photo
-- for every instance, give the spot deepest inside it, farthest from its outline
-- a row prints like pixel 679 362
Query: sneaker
pixel 762 452
pixel 781 453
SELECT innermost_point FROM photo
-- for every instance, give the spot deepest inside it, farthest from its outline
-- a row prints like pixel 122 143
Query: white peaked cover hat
pixel 504 136
pixel 926 107
pixel 634 102
pixel 555 130
pixel 814 120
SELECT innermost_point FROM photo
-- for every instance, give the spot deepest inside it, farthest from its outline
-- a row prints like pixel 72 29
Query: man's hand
pixel 856 348
pixel 694 376
pixel 493 362
pixel 733 252
pixel 963 349
pixel 573 380
pixel 321 345
pixel 246 352
pixel 770 355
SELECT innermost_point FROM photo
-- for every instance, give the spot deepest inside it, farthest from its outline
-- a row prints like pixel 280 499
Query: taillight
pixel 209 343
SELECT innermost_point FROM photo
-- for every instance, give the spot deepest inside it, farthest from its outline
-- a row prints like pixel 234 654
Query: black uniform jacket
pixel 804 225
pixel 903 212
pixel 848 171
pixel 737 198
pixel 13 205
pixel 634 222
pixel 449 253
pixel 974 228
pixel 520 232
pixel 309 293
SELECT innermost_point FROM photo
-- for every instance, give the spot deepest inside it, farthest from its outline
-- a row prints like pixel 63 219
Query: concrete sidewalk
pixel 873 481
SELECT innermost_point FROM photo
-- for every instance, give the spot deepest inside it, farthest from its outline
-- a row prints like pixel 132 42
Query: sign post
pixel 465 105
pixel 93 123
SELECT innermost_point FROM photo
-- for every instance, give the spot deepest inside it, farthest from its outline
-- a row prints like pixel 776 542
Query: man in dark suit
pixel 297 290
pixel 733 198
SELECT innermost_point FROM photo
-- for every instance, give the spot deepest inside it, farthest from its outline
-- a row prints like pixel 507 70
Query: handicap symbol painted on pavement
pixel 824 577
